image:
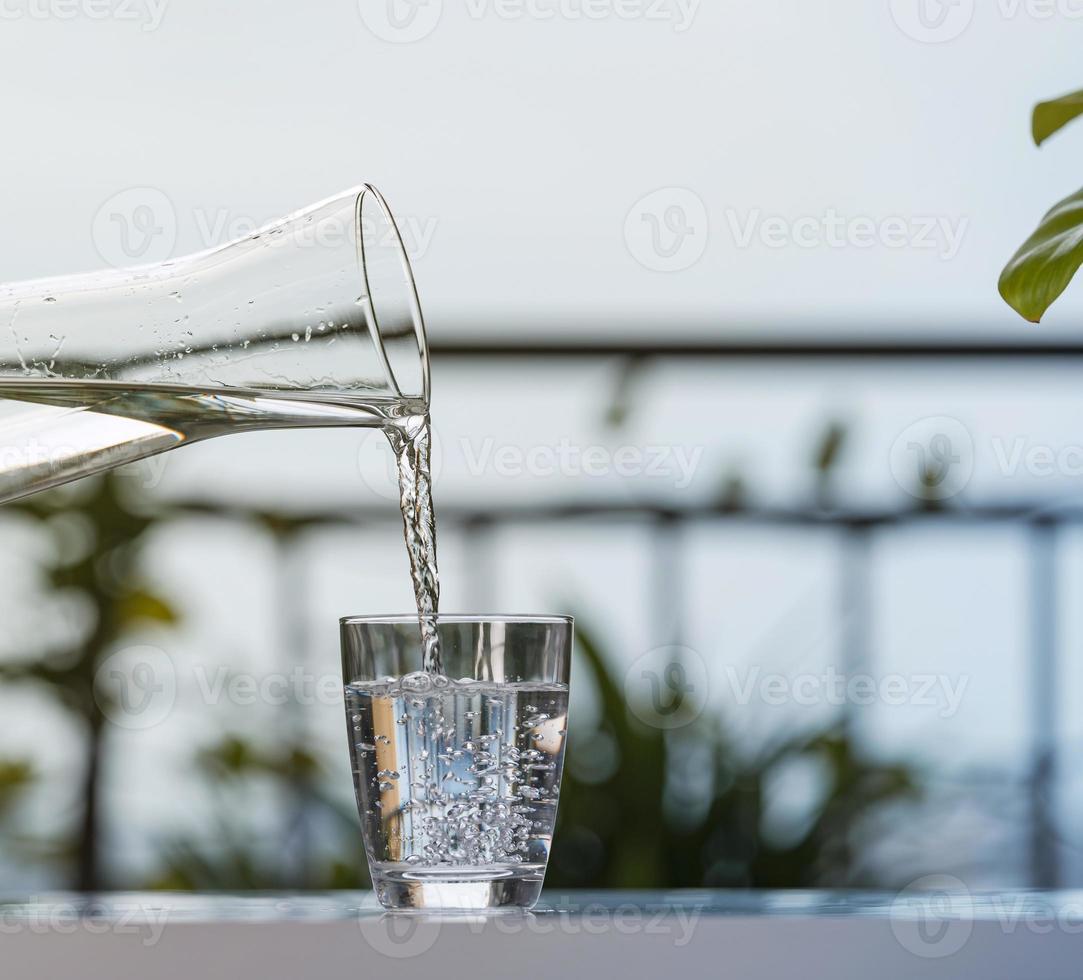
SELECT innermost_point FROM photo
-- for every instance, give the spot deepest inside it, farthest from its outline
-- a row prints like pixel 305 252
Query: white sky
pixel 515 149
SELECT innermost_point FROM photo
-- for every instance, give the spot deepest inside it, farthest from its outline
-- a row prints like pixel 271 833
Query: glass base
pixel 492 888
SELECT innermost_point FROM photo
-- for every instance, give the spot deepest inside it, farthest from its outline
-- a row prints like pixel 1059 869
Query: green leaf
pixel 16 775
pixel 1050 117
pixel 1042 269
pixel 143 605
pixel 830 447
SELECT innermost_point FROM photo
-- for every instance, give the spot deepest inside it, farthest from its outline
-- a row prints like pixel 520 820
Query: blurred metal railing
pixel 856 528
pixel 793 349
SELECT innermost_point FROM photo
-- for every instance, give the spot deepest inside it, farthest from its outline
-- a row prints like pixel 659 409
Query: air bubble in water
pixel 465 797
pixel 417 683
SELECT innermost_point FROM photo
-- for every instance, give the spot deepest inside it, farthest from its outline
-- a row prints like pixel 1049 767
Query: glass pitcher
pixel 311 321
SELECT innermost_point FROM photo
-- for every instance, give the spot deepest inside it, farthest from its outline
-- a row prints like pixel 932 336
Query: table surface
pixel 933 929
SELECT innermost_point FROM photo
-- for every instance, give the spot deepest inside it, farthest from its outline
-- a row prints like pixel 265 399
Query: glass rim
pixel 371 314
pixel 462 619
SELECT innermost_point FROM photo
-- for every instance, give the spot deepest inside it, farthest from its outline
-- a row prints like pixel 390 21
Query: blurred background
pixel 719 367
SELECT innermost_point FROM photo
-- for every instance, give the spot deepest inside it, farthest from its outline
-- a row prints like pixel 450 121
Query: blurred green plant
pixel 639 818
pixel 829 450
pixel 1044 266
pixel 232 855
pixel 632 813
pixel 623 821
pixel 16 775
pixel 95 529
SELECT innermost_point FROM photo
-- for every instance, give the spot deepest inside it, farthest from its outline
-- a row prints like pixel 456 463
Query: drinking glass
pixel 457 773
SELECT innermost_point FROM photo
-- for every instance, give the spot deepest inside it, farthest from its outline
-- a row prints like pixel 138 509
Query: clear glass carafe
pixel 311 321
